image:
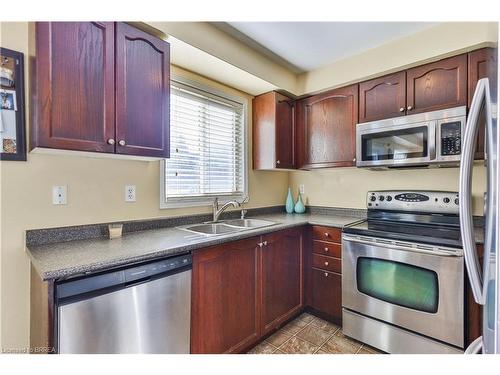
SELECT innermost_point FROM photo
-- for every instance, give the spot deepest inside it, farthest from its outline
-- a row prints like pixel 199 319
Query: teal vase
pixel 300 208
pixel 289 205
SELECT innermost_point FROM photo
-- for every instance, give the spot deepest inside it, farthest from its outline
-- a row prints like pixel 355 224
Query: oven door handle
pixel 475 347
pixel 398 245
pixel 481 97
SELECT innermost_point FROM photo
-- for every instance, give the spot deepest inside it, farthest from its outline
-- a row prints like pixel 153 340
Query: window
pixel 207 147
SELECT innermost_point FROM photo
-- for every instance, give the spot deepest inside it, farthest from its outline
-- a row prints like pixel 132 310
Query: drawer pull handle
pixel 326 249
pixel 326 234
pixel 326 263
pixel 326 274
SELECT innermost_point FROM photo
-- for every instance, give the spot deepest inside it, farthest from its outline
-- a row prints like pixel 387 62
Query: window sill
pixel 201 202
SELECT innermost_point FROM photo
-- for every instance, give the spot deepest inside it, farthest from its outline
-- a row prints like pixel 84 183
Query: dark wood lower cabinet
pixel 241 291
pixel 282 277
pixel 225 314
pixel 326 293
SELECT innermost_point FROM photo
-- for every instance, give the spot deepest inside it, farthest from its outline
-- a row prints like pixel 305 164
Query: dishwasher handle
pixel 121 278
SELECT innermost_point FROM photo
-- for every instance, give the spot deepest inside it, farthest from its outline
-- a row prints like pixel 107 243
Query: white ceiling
pixel 305 46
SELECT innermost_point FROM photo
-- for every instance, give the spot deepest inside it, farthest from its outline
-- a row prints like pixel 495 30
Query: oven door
pixel 379 145
pixel 418 288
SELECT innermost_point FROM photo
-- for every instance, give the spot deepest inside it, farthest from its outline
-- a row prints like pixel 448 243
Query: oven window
pixel 395 144
pixel 398 283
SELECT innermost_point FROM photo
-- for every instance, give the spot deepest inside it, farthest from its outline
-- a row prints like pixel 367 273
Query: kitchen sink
pixel 227 226
pixel 249 223
pixel 212 229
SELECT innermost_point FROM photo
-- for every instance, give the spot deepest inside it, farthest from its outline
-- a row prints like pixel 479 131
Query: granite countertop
pixel 66 259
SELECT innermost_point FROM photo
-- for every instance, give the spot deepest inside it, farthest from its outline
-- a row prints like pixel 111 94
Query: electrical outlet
pixel 129 193
pixel 302 189
pixel 60 194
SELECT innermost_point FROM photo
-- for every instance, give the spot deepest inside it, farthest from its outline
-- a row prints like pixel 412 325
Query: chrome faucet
pixel 218 211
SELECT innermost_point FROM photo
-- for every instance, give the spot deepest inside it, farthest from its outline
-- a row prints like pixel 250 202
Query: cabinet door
pixel 273 131
pixel 225 298
pixel 142 93
pixel 478 63
pixel 282 277
pixel 328 128
pixel 326 293
pixel 439 85
pixel 74 86
pixel 383 97
pixel 284 132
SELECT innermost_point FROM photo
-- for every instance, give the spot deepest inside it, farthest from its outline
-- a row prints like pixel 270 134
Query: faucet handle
pixel 246 198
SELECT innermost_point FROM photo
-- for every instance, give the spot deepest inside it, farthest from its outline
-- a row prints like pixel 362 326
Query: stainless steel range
pixel 403 273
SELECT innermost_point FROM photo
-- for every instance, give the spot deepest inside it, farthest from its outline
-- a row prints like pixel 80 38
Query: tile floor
pixel 308 334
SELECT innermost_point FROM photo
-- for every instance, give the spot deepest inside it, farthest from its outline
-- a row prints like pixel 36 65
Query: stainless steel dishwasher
pixel 140 309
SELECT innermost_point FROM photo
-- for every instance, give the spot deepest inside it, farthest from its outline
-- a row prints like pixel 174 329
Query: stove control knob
pixel 456 201
pixel 446 200
pixel 373 198
pixel 389 198
pixel 381 198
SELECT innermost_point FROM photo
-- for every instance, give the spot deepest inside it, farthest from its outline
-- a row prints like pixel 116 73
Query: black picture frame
pixel 18 57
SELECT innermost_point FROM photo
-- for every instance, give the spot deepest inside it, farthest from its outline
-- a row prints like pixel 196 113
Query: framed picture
pixel 12 114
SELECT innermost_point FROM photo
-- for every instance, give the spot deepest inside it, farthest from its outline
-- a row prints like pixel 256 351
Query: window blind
pixel 207 145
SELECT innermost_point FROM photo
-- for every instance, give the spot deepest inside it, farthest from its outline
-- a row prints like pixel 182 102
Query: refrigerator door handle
pixel 465 191
pixel 475 347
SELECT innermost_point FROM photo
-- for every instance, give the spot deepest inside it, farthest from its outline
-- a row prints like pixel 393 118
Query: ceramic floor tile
pixel 279 338
pixel 324 325
pixel 314 335
pixel 294 326
pixel 322 352
pixel 365 349
pixel 305 317
pixel 263 348
pixel 341 345
pixel 298 346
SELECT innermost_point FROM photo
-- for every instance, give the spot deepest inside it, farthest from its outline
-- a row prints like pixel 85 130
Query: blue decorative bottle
pixel 300 208
pixel 289 206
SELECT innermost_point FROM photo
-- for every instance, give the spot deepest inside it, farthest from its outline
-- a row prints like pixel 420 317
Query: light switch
pixel 129 193
pixel 60 194
pixel 302 189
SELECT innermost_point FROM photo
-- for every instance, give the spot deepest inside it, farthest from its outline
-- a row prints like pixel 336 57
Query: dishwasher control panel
pixel 152 269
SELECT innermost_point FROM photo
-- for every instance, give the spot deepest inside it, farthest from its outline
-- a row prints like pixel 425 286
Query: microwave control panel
pixel 451 138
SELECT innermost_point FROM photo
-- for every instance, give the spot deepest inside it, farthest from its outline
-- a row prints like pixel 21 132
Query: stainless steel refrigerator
pixel 484 280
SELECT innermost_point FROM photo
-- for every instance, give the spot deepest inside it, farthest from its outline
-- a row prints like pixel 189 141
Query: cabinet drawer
pixel 326 233
pixel 327 248
pixel 327 293
pixel 327 263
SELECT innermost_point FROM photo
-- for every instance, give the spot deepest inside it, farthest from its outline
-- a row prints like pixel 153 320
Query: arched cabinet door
pixel 382 97
pixel 438 85
pixel 73 86
pixel 328 128
pixel 142 93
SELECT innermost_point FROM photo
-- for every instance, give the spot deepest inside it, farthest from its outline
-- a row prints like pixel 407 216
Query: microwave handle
pixel 465 192
pixel 432 140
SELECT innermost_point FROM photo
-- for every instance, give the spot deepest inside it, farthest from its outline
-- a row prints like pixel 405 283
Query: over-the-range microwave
pixel 423 139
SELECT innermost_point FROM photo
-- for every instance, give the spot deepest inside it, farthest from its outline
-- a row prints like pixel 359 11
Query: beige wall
pixel 95 194
pixel 347 187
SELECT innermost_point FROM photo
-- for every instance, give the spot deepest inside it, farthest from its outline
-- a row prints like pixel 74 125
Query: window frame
pixel 207 200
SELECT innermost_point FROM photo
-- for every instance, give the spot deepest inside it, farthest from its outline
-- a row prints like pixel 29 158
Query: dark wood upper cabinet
pixel 326 129
pixel 273 131
pixel 101 87
pixel 383 97
pixel 438 85
pixel 225 314
pixel 74 81
pixel 478 67
pixel 282 277
pixel 142 93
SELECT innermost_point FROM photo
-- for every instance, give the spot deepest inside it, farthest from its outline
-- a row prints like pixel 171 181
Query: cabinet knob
pixel 264 243
pixel 121 143
pixel 326 234
pixel 409 108
pixel 278 162
pixel 354 159
pixel 326 274
pixel 402 109
pixel 111 141
pixel 326 263
pixel 326 249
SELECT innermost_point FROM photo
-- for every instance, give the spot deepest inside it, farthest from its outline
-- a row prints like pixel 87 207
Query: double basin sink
pixel 227 226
